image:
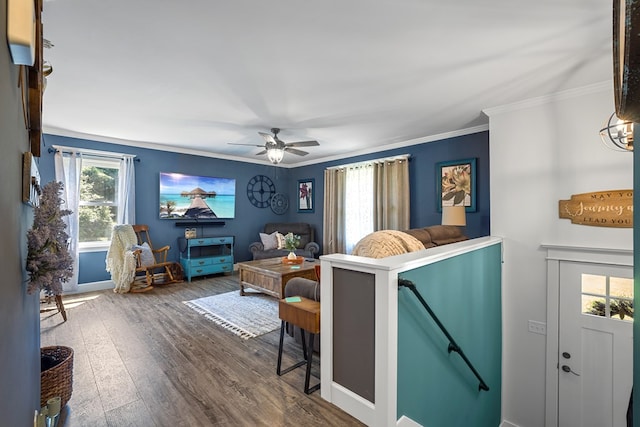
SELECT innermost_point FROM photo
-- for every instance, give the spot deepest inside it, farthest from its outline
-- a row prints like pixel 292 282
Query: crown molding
pixel 402 144
pixel 547 99
pixel 175 149
pixel 150 145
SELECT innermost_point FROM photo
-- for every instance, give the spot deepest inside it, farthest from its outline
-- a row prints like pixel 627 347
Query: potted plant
pixel 48 260
pixel 291 243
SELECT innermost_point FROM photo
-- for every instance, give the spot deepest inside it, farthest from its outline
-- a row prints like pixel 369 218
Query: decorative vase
pixel 292 255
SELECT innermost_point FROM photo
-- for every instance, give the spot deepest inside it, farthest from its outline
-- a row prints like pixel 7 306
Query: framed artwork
pixel 456 184
pixel 306 190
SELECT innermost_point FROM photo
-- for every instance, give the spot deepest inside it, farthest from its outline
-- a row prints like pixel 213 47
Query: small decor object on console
pixel 189 233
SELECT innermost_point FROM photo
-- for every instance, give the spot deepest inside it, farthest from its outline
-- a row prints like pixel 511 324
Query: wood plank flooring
pixel 149 360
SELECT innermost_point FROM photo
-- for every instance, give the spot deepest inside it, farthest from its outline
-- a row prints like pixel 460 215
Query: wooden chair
pixel 154 269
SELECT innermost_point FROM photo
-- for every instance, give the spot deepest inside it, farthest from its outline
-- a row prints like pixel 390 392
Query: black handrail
pixel 453 346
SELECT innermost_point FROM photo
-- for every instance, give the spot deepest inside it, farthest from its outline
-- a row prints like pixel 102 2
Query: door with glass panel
pixel 595 360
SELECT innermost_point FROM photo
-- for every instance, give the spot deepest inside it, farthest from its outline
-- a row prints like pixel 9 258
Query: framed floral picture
pixel 306 189
pixel 456 184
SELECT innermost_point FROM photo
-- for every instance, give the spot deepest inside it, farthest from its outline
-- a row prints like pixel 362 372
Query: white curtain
pixel 126 192
pixel 69 174
pixel 358 204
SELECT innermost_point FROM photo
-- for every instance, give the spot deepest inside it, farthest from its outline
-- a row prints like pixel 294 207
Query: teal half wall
pixel 435 387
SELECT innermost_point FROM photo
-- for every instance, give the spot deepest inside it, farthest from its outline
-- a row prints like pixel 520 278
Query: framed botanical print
pixel 456 184
pixel 306 192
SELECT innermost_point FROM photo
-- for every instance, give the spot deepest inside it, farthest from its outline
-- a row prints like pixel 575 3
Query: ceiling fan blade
pixel 261 153
pixel 267 137
pixel 288 149
pixel 250 145
pixel 303 144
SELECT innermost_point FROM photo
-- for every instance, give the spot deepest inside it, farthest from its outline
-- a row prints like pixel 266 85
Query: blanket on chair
pixel 121 261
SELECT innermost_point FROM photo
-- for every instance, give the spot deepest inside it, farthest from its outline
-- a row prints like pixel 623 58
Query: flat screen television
pixel 196 197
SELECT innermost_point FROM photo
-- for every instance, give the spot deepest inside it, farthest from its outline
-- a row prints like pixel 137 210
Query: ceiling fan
pixel 275 148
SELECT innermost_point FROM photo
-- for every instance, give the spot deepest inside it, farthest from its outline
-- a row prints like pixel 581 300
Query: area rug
pixel 247 316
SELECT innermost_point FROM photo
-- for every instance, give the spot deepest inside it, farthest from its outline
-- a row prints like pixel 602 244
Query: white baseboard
pixel 405 421
pixel 92 287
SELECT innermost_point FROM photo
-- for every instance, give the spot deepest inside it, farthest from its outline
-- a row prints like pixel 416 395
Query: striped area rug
pixel 247 316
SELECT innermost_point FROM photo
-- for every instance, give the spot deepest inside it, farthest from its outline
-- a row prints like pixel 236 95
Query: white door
pixel 595 369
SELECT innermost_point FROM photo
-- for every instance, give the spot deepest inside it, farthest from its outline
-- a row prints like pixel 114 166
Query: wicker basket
pixel 57 380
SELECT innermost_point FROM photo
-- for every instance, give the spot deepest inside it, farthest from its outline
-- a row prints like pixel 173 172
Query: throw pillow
pixel 269 241
pixel 146 256
pixel 281 244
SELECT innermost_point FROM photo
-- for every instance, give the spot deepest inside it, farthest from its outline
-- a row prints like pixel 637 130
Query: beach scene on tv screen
pixel 196 197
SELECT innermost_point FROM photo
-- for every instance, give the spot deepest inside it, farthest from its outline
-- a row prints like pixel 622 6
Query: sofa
pixel 437 235
pixel 384 243
pixel 307 247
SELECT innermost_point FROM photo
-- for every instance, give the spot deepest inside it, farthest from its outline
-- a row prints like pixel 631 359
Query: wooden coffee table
pixel 271 275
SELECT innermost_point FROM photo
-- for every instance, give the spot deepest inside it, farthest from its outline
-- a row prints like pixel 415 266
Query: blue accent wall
pixel 422 179
pixel 249 220
pixel 435 387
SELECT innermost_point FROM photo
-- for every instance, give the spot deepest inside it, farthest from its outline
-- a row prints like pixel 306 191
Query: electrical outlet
pixel 537 327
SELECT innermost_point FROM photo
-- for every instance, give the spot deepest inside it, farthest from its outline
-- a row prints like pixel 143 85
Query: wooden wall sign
pixel 613 208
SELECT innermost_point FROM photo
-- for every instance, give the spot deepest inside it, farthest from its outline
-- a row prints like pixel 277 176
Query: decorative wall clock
pixel 279 203
pixel 259 191
pixel 626 59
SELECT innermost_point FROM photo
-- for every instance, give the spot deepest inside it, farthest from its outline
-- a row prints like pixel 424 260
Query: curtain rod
pixel 366 162
pixel 95 153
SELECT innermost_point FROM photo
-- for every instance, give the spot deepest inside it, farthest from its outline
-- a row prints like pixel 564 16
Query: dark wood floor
pixel 149 360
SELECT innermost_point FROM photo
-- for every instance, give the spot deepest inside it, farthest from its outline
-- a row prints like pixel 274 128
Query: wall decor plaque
pixel 612 208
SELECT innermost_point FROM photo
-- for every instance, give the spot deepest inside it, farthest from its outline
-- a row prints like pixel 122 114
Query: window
pixel 364 197
pixel 358 209
pixel 98 200
pixel 607 296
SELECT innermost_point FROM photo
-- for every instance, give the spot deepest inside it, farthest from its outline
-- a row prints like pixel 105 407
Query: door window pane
pixel 594 305
pixel 593 284
pixel 621 309
pixel 621 287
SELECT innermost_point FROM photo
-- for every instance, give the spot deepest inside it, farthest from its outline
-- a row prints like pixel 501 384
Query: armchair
pixel 307 248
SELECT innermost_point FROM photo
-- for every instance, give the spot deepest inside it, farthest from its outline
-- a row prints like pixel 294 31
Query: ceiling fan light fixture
pixel 618 134
pixel 275 154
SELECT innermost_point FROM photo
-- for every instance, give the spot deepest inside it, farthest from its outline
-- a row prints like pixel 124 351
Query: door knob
pixel 566 355
pixel 567 369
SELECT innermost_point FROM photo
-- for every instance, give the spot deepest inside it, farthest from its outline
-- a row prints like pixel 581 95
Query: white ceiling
pixel 356 75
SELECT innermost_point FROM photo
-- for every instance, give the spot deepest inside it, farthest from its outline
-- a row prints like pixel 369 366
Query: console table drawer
pixel 211 269
pixel 210 241
pixel 202 262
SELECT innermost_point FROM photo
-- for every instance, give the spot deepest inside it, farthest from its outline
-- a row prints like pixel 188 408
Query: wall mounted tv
pixel 199 198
